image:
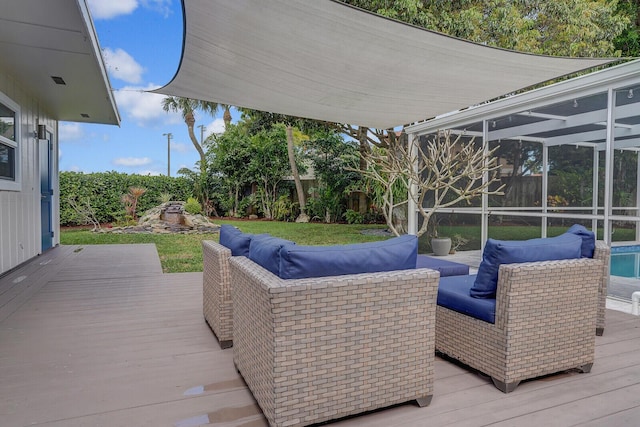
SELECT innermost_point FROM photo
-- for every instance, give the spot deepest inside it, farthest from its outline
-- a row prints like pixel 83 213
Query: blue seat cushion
pixel 264 250
pixel 235 240
pixel 497 252
pixel 446 268
pixel 453 293
pixel 398 253
pixel 588 239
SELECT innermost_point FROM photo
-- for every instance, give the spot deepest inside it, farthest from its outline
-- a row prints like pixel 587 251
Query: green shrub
pixel 284 209
pixel 353 217
pixel 103 192
pixel 192 206
pixel 164 198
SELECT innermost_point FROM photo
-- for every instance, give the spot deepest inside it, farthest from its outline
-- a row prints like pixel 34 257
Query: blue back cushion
pixel 498 252
pixel 235 240
pixel 398 253
pixel 588 239
pixel 453 293
pixel 264 250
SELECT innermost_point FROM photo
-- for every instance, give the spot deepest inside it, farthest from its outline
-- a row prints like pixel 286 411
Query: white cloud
pixel 122 66
pixel 107 9
pixel 132 161
pixel 179 147
pixel 162 6
pixel 216 126
pixel 70 132
pixel 143 107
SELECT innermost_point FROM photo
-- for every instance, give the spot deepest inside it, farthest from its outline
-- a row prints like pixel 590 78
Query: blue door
pixel 46 193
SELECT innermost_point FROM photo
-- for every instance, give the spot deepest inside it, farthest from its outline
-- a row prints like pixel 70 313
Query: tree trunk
pixel 191 121
pixel 364 149
pixel 303 217
pixel 226 117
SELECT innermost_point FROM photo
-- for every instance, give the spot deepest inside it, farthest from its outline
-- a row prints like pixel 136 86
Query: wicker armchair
pixel 544 321
pixel 312 350
pixel 216 291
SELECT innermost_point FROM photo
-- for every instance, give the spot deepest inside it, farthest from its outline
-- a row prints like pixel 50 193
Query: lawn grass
pixel 178 252
pixel 183 252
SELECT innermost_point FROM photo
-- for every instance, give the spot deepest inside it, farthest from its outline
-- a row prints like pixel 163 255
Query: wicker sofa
pixel 542 320
pixel 216 291
pixel 216 286
pixel 317 349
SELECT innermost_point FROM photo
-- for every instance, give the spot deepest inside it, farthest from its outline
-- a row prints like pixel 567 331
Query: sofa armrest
pixel 548 295
pixel 603 253
pixel 216 293
pixel 365 340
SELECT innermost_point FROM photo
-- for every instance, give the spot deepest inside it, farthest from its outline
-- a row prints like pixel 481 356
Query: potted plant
pixel 440 245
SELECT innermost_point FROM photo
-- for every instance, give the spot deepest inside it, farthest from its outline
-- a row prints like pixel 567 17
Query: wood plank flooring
pixel 99 336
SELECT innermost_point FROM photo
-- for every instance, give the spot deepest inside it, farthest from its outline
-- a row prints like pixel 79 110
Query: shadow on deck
pixel 98 335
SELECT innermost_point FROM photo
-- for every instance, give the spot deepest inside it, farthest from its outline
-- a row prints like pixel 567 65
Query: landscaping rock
pixel 154 221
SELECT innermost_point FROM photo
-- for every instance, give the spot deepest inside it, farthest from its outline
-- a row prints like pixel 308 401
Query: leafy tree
pixel 269 164
pixel 562 27
pixel 229 155
pixel 261 120
pixel 628 42
pixel 335 162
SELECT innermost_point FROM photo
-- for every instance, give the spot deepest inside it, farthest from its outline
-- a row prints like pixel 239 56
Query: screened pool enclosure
pixel 568 153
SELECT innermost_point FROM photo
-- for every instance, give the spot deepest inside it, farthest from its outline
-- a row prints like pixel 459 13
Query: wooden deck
pixel 99 336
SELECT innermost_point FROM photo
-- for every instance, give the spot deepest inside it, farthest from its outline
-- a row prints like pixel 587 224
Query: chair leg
pixel 505 387
pixel 585 369
pixel 599 331
pixel 424 401
pixel 226 344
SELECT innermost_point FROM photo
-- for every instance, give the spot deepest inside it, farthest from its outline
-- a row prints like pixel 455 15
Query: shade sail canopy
pixel 324 60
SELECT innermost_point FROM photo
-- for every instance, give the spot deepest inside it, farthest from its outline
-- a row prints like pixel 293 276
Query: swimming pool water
pixel 625 261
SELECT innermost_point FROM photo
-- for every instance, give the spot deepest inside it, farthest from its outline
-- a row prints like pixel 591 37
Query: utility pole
pixel 169 136
pixel 202 128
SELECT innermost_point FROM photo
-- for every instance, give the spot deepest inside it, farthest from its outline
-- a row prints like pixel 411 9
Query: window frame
pixel 16 183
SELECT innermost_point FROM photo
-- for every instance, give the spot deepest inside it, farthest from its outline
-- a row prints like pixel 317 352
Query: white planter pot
pixel 441 246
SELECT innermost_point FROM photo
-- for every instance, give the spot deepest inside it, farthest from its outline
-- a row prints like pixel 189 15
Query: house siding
pixel 20 228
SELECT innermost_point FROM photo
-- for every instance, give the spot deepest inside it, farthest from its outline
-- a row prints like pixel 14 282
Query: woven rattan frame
pixel 545 319
pixel 603 253
pixel 216 291
pixel 313 350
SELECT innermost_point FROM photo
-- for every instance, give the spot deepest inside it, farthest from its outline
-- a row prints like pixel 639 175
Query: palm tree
pixel 187 108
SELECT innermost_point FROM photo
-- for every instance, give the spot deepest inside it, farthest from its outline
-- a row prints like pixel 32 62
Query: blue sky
pixel 141 43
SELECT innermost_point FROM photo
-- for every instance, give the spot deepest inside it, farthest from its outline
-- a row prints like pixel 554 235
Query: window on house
pixel 8 143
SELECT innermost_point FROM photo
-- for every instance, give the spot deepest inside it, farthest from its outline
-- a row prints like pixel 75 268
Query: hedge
pixel 105 189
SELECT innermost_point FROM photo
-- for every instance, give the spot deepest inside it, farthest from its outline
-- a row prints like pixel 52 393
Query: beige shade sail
pixel 325 60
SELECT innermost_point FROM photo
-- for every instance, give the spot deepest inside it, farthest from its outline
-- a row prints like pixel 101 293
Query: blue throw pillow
pixel 264 250
pixel 588 239
pixel 498 252
pixel 398 253
pixel 235 240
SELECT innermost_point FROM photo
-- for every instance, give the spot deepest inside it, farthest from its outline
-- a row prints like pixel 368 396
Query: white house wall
pixel 20 229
